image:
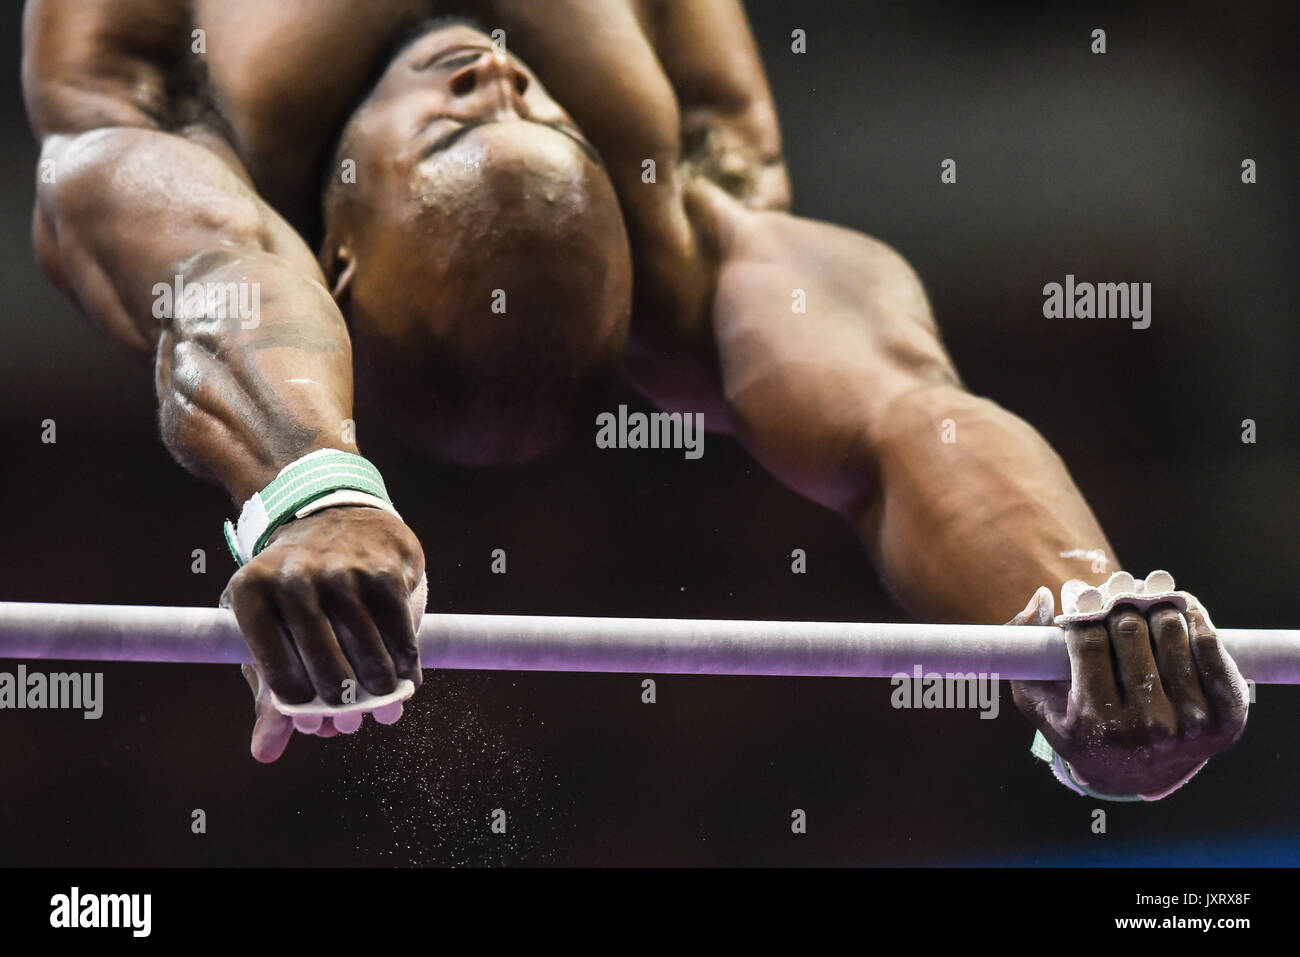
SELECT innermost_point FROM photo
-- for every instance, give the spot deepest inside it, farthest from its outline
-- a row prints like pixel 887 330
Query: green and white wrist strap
pixel 1063 773
pixel 318 480
pixel 1067 776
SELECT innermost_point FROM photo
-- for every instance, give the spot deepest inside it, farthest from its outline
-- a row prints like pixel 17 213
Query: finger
pixel 273 651
pixel 348 722
pixel 307 723
pixel 271 734
pixel 1092 667
pixel 1040 610
pixel 1225 688
pixel 1178 673
pixel 392 614
pixel 359 637
pixel 327 729
pixel 389 713
pixel 317 645
pixel 1139 679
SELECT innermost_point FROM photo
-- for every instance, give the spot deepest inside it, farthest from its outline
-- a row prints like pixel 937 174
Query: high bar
pixel 77 632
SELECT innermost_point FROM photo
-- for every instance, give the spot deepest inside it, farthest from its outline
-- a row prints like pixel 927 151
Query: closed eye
pixel 453 57
pixel 448 139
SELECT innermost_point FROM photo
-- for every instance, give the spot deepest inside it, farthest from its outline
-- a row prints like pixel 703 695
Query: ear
pixel 339 264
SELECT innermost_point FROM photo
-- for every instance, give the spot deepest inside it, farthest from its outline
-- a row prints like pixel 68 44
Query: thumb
pixel 1040 610
pixel 271 730
pixel 271 733
pixel 1042 702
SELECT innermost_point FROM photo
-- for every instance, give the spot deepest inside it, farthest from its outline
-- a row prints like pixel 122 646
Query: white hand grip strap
pixel 1083 602
pixel 309 716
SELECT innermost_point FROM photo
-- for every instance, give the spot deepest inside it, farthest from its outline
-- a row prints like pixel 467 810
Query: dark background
pixel 1122 167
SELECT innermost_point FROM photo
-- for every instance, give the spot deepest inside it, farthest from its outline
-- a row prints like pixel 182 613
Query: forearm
pixel 166 248
pixel 239 400
pixel 972 510
pixel 838 383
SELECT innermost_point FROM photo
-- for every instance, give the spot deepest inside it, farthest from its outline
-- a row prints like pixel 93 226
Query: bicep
pixel 819 329
pixel 125 208
pixel 118 195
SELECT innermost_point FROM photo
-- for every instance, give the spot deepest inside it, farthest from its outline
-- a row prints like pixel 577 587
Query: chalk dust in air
pixel 423 790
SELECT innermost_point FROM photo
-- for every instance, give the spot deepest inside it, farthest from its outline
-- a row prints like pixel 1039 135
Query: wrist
pixel 322 479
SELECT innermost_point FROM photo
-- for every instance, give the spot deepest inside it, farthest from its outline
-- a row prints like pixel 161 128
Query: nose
pixel 493 77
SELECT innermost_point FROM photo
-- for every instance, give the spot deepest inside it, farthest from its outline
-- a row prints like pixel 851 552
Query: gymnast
pixel 501 222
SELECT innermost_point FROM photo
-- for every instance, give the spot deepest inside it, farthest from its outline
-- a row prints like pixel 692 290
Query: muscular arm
pixel 239 396
pixel 137 195
pixel 854 403
pixel 128 201
pixel 964 507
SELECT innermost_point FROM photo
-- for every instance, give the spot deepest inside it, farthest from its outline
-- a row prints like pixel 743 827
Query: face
pixel 480 254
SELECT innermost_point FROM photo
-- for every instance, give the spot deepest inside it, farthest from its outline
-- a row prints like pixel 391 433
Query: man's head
pixel 478 251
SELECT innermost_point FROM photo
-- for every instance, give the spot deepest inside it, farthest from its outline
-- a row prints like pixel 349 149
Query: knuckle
pixel 1194 721
pixel 337 578
pixel 1087 722
pixel 1167 621
pixel 386 578
pixel 1094 641
pixel 1155 726
pixel 1100 726
pixel 1157 731
pixel 1127 624
pixel 1206 643
pixel 293 581
pixel 250 578
pixel 379 679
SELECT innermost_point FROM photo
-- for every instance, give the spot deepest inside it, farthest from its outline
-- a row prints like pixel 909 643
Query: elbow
pixel 739 153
